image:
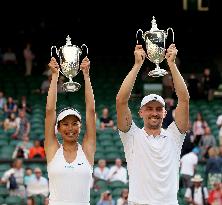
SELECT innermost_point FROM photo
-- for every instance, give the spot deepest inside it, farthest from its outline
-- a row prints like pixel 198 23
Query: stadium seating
pixel 109 146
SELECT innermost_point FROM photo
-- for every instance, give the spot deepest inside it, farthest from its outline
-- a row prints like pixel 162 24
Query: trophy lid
pixel 154 25
pixel 68 41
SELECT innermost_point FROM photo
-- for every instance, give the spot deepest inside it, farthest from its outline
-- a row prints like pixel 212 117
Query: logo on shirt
pixel 80 163
pixel 69 166
pixel 164 136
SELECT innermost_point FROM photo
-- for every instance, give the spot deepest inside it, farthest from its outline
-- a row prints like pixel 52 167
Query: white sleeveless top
pixel 69 183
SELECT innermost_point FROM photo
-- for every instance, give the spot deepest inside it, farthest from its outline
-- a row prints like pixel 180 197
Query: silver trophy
pixel 69 57
pixel 155 46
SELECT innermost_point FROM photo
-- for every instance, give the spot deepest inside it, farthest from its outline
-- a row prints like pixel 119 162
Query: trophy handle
pixel 172 32
pixel 56 51
pixel 86 49
pixel 141 31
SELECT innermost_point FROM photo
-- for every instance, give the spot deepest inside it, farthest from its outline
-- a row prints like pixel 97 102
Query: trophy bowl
pixel 69 59
pixel 155 45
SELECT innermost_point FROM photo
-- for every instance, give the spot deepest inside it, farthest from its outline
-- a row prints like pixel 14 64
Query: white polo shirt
pixel 188 163
pixel 153 165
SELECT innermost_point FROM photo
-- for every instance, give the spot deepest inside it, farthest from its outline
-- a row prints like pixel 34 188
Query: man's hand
pixel 171 53
pixel 85 65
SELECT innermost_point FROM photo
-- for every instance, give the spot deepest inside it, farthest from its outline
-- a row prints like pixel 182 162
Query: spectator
pixel 208 84
pixel 10 107
pixel 28 57
pixel 37 187
pixel 213 167
pixel 102 171
pixel 197 194
pixel 2 102
pixel 106 121
pixel 24 105
pixel 188 164
pixel 14 179
pixel 23 127
pixel 219 124
pixel 215 195
pixel 36 151
pixel 106 199
pixel 117 172
pixel 123 200
pixel 22 148
pixel 10 124
pixel 207 140
pixel 199 125
pixel 28 175
pixel 9 57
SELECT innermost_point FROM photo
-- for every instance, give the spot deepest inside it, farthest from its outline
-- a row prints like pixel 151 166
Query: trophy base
pixel 71 86
pixel 157 73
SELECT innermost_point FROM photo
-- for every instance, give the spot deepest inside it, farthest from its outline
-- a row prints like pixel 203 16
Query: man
pixel 101 171
pixel 197 194
pixel 188 165
pixel 152 153
pixel 14 179
pixel 23 126
pixel 117 172
pixel 37 187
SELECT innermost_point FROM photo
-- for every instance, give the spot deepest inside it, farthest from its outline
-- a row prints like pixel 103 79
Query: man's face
pixel 38 173
pixel 153 114
pixel 118 162
pixel 197 184
pixel 105 112
pixel 102 163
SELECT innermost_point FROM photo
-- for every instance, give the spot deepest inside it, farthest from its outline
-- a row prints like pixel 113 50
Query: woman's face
pixel 199 116
pixel 69 128
pixel 12 116
pixel 10 99
pixel 125 193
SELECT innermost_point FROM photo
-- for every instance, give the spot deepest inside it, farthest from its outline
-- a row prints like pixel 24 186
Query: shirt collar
pixel 162 133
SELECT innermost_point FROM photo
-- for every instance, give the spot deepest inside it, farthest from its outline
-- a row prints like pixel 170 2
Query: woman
pixel 69 165
pixel 213 167
pixel 199 125
pixel 10 124
pixel 123 199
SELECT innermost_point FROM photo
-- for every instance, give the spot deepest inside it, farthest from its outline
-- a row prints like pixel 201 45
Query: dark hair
pixel 28 168
pixel 20 153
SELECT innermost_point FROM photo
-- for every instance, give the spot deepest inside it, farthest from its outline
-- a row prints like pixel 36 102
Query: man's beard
pixel 154 127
